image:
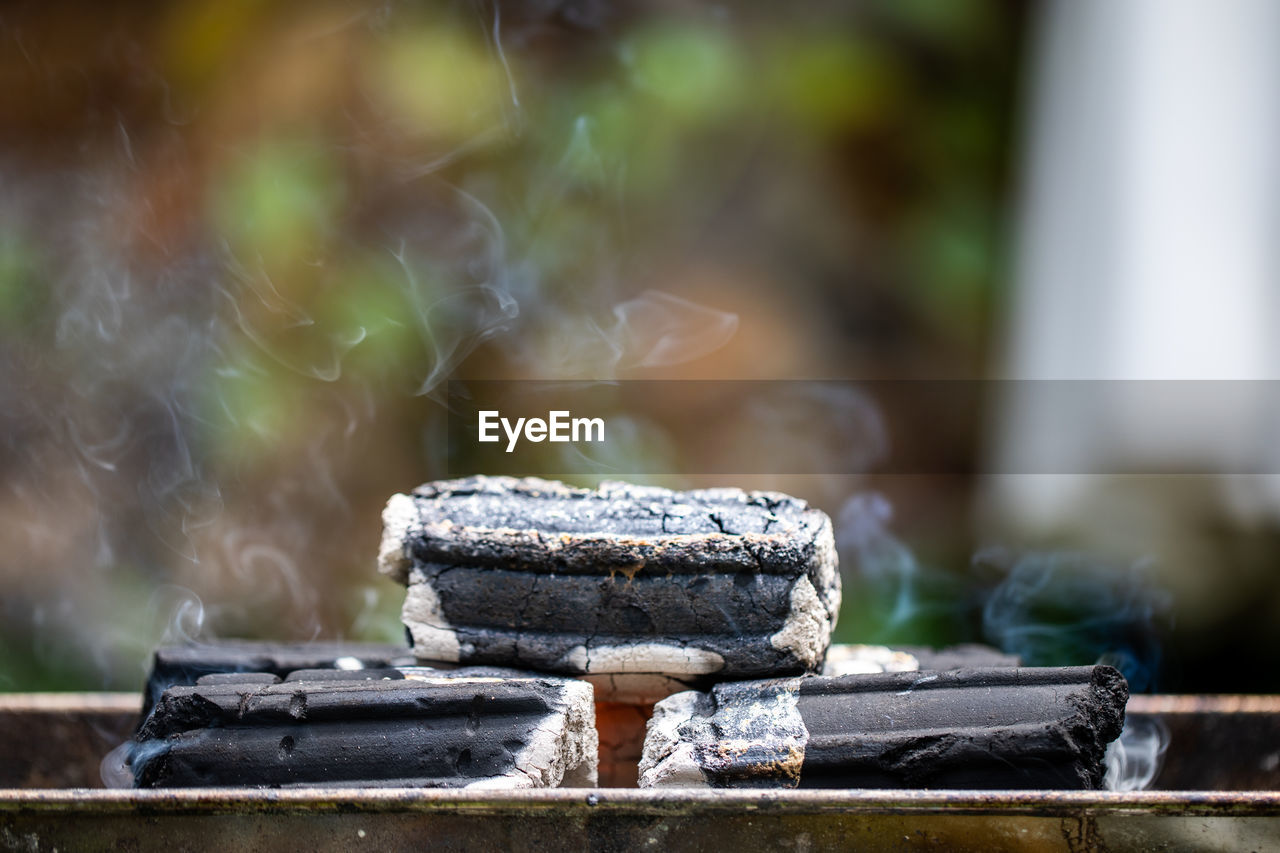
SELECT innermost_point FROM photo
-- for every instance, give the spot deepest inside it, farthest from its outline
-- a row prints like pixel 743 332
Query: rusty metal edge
pixel 1174 703
pixel 622 801
pixel 123 703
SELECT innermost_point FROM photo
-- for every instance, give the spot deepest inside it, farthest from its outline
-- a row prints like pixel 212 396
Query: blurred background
pixel 243 246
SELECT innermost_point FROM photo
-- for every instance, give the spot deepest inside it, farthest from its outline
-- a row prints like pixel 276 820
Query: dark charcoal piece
pixel 185 664
pixel 972 728
pixel 412 727
pixel 624 580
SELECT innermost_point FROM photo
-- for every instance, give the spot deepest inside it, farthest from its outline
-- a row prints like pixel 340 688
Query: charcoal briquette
pixel 408 727
pixel 642 589
pixel 999 728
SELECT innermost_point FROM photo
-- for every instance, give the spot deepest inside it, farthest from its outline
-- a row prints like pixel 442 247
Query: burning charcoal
pixel 185 664
pixel 972 728
pixel 412 727
pixel 621 727
pixel 850 659
pixel 644 588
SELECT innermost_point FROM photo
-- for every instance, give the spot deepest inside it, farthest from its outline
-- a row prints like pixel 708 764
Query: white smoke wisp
pixel 658 329
pixel 478 300
pixel 114 770
pixel 183 614
pixel 635 445
pixel 654 330
pixel 823 426
pixel 213 378
pixel 1134 759
pixel 1062 608
pixel 877 556
pixel 121 452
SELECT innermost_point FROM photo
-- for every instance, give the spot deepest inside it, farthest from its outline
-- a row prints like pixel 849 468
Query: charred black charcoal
pixel 421 728
pixel 186 664
pixel 624 581
pixel 969 728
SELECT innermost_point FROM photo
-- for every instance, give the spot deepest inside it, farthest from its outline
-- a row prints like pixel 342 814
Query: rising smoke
pixel 1049 608
pixel 224 341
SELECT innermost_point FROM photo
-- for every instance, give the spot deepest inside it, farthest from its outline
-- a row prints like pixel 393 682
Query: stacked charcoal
pixel 526 598
pixel 641 591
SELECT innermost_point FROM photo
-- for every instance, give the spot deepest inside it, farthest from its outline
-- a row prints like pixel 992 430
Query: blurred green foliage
pixel 279 203
pixel 440 81
pixel 266 232
pixel 21 296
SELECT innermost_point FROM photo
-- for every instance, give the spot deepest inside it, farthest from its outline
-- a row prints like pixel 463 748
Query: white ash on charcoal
pixel 642 689
pixel 854 658
pixel 1002 728
pixel 186 663
pixel 848 659
pixel 401 727
pixel 644 589
pixel 962 656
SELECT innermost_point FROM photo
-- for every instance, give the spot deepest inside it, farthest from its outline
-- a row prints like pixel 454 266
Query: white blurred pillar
pixel 1149 241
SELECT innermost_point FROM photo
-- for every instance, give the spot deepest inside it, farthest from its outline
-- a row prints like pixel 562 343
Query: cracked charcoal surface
pixel 185 664
pixel 533 573
pixel 1002 728
pixel 408 727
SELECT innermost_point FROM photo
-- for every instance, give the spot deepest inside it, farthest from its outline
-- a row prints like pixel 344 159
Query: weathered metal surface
pixel 1216 743
pixel 57 740
pixel 327 819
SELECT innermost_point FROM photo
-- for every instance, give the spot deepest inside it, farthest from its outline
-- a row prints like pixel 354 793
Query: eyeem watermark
pixel 559 426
